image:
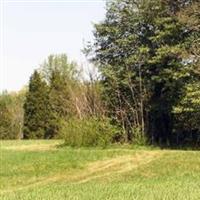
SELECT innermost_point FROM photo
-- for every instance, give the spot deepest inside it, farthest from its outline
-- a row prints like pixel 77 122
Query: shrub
pixel 138 137
pixel 88 132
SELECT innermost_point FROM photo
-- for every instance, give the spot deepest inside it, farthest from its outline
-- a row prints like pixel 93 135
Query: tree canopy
pixel 148 58
pixel 143 52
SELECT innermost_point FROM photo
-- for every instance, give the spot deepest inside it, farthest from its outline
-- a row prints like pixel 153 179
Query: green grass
pixel 32 170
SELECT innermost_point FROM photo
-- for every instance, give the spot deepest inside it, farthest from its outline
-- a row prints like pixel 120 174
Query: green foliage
pixel 138 137
pixel 36 108
pixel 140 50
pixel 11 115
pixel 59 63
pixel 55 95
pixel 88 132
pixel 147 53
pixel 60 74
pixel 59 94
pixel 187 116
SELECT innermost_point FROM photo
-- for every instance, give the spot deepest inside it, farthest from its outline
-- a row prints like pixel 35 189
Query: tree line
pixel 147 90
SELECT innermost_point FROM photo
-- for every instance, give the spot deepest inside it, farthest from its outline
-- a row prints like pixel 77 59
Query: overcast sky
pixel 33 29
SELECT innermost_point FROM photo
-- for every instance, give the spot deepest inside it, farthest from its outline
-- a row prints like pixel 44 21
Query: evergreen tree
pixel 59 100
pixel 5 117
pixel 36 108
pixel 60 74
pixel 140 51
pixel 59 93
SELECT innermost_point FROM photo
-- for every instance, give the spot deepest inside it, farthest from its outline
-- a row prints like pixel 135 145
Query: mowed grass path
pixel 43 170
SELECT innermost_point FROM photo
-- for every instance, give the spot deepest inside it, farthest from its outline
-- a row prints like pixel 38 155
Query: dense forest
pixel 146 90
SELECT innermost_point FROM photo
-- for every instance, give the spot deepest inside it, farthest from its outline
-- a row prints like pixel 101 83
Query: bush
pixel 88 132
pixel 138 137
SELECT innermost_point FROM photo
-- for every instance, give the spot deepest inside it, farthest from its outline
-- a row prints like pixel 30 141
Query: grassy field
pixel 43 170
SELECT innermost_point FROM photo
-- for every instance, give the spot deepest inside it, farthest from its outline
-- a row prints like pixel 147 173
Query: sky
pixel 30 30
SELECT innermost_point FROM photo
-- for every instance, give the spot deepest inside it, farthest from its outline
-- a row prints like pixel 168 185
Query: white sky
pixel 32 29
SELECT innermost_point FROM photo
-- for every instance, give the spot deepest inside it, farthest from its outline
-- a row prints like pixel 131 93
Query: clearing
pixel 45 170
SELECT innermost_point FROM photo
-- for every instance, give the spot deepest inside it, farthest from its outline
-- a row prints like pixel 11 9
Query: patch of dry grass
pixel 33 146
pixel 40 170
pixel 95 170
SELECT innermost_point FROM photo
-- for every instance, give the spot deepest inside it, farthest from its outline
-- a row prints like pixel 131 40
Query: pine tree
pixel 60 74
pixel 140 51
pixel 59 100
pixel 36 108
